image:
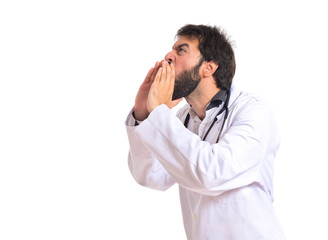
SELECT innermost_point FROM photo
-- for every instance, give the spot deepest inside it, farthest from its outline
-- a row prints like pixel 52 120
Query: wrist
pixel 139 115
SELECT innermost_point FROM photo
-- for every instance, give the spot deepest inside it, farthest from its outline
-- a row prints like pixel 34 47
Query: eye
pixel 181 50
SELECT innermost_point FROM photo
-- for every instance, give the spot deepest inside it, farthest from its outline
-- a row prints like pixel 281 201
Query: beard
pixel 187 81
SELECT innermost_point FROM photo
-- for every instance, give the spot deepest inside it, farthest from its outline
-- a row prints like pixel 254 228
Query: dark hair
pixel 214 45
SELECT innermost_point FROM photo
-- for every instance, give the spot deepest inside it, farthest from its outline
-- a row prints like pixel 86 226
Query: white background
pixel 69 72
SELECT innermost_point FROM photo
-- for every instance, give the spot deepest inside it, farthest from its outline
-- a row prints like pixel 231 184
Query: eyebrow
pixel 181 45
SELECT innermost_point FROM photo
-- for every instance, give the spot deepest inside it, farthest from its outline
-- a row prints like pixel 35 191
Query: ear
pixel 209 68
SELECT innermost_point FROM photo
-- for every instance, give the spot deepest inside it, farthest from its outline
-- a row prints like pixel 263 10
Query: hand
pixel 161 90
pixel 140 106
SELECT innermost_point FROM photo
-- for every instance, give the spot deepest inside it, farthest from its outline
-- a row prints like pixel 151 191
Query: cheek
pixel 178 70
pixel 180 66
pixel 184 64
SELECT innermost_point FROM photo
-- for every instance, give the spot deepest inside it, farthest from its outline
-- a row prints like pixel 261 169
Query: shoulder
pixel 241 100
pixel 250 107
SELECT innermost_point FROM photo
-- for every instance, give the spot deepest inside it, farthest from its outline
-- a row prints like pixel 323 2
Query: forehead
pixel 190 42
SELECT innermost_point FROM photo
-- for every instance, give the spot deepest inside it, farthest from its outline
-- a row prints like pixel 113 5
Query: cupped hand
pixel 162 88
pixel 140 106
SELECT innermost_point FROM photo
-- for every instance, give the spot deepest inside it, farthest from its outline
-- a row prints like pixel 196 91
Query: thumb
pixel 175 102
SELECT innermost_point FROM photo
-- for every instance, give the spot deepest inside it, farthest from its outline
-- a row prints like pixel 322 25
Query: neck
pixel 200 98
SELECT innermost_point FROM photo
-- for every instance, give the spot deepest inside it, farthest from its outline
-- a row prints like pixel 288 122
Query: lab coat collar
pixel 217 99
pixel 216 102
pixel 221 97
pixel 234 93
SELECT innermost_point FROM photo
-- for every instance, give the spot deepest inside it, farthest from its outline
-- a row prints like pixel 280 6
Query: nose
pixel 170 57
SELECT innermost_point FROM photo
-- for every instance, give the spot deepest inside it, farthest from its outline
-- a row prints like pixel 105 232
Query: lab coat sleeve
pixel 209 169
pixel 144 167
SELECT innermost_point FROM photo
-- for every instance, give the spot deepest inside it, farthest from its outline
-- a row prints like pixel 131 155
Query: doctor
pixel 219 148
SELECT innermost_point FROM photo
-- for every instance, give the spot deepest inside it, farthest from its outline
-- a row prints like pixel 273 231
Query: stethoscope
pixel 224 108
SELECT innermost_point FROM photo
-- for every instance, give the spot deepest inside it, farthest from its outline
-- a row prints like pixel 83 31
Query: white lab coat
pixel 225 188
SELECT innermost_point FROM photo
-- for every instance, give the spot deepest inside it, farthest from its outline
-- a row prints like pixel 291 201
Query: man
pixel 219 148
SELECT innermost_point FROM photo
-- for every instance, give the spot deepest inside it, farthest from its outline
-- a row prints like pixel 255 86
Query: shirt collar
pixel 217 99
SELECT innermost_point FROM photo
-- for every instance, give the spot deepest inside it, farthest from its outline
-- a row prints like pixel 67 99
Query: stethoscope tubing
pixel 224 109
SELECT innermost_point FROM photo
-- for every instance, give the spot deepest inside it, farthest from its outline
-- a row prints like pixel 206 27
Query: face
pixel 187 61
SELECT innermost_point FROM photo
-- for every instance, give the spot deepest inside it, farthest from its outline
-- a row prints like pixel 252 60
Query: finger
pixel 168 73
pixel 164 71
pixel 172 79
pixel 156 67
pixel 175 102
pixel 148 76
pixel 158 75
